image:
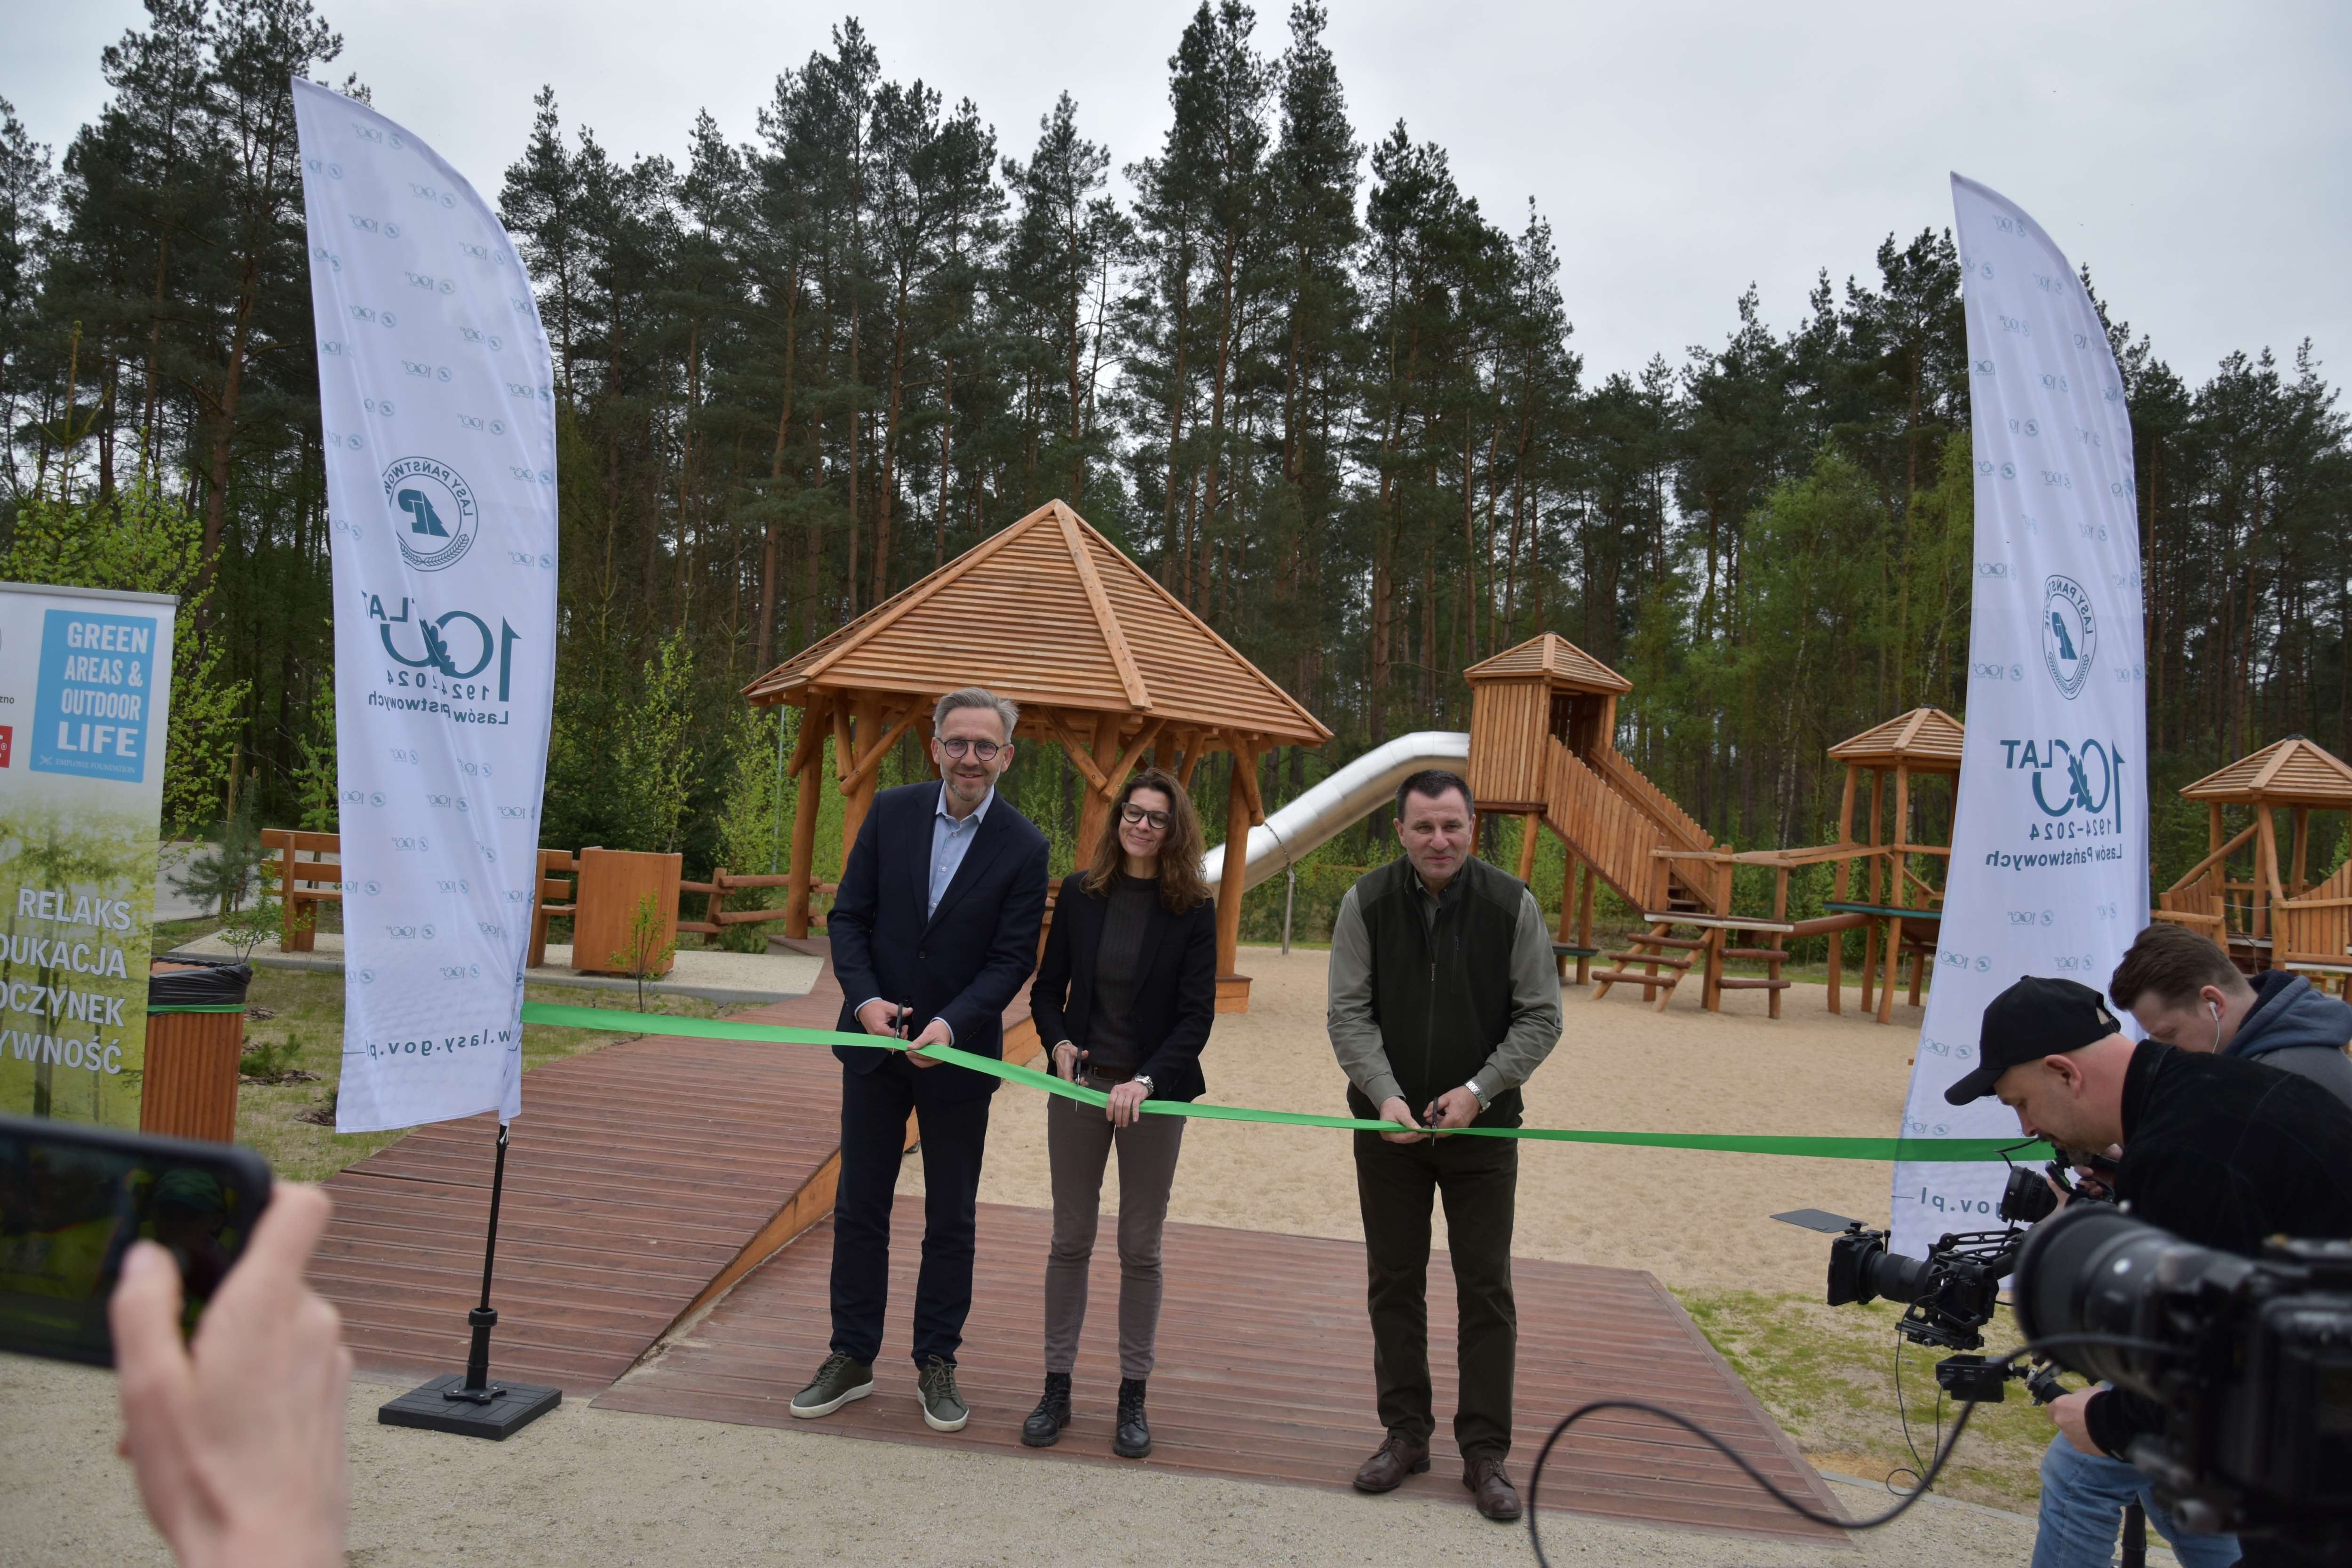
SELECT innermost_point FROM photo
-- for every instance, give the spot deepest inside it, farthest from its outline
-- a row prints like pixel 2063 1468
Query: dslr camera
pixel 2250 1360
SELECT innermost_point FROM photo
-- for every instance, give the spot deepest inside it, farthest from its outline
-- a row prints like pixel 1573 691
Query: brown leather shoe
pixel 1399 1457
pixel 1497 1498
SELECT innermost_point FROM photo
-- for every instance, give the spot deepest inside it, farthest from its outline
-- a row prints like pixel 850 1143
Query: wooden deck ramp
pixel 1264 1371
pixel 638 1178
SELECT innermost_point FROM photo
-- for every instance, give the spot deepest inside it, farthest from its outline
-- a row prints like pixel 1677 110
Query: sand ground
pixel 1693 1219
pixel 591 1487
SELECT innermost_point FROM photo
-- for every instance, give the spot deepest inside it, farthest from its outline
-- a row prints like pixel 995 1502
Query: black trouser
pixel 954 1132
pixel 1479 1179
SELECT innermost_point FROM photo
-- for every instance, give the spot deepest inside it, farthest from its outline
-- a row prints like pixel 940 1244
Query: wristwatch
pixel 1479 1095
pixel 1145 1082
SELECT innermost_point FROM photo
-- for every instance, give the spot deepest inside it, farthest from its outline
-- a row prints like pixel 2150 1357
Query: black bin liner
pixel 213 983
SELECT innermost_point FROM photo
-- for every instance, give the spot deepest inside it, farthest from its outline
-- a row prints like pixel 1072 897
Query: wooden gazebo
pixel 1925 741
pixel 2252 913
pixel 1102 659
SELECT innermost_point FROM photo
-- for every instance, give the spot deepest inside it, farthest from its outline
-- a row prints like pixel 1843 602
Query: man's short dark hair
pixel 1432 784
pixel 2171 964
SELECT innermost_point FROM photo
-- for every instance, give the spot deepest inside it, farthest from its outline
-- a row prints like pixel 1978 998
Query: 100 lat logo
pixel 451 654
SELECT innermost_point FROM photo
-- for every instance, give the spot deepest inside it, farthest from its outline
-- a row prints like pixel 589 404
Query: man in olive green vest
pixel 1444 999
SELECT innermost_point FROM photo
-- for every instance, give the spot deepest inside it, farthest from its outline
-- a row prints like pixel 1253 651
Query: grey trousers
pixel 1078 1140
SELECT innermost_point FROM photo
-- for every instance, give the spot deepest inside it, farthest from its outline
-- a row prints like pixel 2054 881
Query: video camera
pixel 2252 1361
pixel 1949 1295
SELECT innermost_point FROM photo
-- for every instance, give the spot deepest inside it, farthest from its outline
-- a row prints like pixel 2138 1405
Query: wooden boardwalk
pixel 636 1176
pixel 1264 1371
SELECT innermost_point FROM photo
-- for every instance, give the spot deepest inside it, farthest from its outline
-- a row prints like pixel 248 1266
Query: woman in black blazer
pixel 1123 999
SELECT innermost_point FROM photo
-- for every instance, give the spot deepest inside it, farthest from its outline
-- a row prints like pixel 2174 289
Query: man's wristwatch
pixel 1479 1095
pixel 1146 1082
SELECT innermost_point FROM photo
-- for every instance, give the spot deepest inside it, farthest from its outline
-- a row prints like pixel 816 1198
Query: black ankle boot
pixel 1044 1427
pixel 1133 1439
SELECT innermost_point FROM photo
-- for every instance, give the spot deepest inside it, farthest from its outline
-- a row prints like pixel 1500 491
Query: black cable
pixel 1833 1521
pixel 1902 1414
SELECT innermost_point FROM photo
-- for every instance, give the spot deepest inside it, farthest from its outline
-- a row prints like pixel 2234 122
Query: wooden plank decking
pixel 1265 1370
pixel 636 1175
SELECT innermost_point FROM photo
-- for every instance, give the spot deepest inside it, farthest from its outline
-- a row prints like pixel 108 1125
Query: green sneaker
pixel 837 1381
pixel 944 1405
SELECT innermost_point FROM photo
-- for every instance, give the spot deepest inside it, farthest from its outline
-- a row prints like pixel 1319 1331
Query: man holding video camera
pixel 2222 1152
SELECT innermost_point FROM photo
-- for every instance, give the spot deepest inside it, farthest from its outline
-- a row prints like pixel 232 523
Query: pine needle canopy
pixel 1052 614
pixel 1924 741
pixel 2293 772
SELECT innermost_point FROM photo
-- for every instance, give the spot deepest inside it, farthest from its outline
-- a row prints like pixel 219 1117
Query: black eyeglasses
pixel 1131 812
pixel 985 750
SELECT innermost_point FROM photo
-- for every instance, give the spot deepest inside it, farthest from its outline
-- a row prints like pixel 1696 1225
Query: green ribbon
pixel 1940 1150
pixel 200 1007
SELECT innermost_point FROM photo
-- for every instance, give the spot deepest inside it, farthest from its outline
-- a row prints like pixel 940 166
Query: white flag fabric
pixel 437 407
pixel 2049 844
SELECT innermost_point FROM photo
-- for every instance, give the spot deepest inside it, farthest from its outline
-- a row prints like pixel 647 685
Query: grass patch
pixel 304 1031
pixel 1827 1376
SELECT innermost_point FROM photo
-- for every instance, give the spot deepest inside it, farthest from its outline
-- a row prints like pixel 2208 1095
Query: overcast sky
pixel 2196 156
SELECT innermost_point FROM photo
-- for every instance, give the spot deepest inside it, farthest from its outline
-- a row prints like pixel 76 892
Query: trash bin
pixel 195 1033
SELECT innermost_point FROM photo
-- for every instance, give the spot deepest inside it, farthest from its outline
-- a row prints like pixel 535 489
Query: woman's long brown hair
pixel 1181 886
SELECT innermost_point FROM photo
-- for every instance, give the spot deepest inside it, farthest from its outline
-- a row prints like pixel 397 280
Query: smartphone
pixel 72 1200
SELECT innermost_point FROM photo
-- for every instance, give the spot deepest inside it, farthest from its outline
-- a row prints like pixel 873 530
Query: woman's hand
pixel 1065 1061
pixel 1126 1103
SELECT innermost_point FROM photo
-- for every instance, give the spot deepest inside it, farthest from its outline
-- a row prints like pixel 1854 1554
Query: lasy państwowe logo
pixel 433 511
pixel 2070 634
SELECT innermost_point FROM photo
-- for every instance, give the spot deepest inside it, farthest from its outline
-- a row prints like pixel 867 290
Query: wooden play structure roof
pixel 1049 613
pixel 1924 741
pixel 1559 662
pixel 2293 772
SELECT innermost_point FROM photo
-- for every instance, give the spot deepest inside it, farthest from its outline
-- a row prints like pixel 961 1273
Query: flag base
pixel 510 1408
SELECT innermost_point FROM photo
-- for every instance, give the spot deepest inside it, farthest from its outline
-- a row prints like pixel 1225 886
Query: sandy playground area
pixel 1693 1219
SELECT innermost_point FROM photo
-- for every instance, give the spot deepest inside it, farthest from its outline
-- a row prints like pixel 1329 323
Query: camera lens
pixel 2096 1270
pixel 2027 1198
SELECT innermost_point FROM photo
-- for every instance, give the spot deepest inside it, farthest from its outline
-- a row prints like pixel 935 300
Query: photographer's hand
pixel 236 1438
pixel 2070 1412
pixel 1394 1109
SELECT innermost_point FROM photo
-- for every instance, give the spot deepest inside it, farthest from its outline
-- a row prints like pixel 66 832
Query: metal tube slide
pixel 1348 796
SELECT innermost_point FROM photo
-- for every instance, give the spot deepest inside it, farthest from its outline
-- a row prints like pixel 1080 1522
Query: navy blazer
pixel 966 961
pixel 1175 998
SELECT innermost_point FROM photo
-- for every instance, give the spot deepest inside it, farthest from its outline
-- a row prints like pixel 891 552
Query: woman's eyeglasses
pixel 1137 814
pixel 985 750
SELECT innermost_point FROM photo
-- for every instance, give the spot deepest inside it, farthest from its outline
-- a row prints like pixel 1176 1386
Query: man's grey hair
pixel 976 696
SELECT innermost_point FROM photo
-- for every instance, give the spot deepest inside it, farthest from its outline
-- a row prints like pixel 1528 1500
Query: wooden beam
pixel 812 731
pixel 1134 754
pixel 1123 660
pixel 1246 770
pixel 1079 755
pixel 873 758
pixel 1195 748
pixel 2200 868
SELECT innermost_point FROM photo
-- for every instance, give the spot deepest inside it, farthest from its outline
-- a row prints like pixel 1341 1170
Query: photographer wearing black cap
pixel 2222 1152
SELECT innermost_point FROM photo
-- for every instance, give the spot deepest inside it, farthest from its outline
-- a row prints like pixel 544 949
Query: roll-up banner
pixel 2050 849
pixel 436 400
pixel 85 701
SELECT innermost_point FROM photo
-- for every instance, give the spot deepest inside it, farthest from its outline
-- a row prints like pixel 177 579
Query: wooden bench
pixel 304 884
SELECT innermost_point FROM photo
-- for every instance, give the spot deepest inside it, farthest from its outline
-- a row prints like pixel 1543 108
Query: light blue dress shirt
pixel 951 841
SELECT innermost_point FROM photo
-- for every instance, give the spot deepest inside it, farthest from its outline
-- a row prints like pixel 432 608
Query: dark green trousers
pixel 1479 1179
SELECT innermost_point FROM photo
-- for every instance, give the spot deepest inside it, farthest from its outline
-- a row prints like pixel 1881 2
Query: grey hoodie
pixel 2299 1030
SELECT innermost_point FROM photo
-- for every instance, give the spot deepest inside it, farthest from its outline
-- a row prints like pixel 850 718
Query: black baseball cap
pixel 2036 1017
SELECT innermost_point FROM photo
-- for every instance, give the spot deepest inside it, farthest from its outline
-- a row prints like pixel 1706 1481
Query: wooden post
pixel 1779 940
pixel 2302 882
pixel 1529 826
pixel 807 784
pixel 866 711
pixel 2265 871
pixel 1094 804
pixel 1870 930
pixel 1898 869
pixel 1584 922
pixel 1838 892
pixel 1233 988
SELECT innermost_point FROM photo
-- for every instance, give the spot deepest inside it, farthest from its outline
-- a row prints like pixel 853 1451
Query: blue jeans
pixel 2083 1499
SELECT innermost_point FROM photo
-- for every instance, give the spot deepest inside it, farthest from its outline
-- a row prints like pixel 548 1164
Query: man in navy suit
pixel 934 930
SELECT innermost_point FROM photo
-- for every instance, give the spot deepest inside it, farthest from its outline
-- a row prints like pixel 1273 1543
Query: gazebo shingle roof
pixel 2293 772
pixel 1925 740
pixel 1050 613
pixel 1553 655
